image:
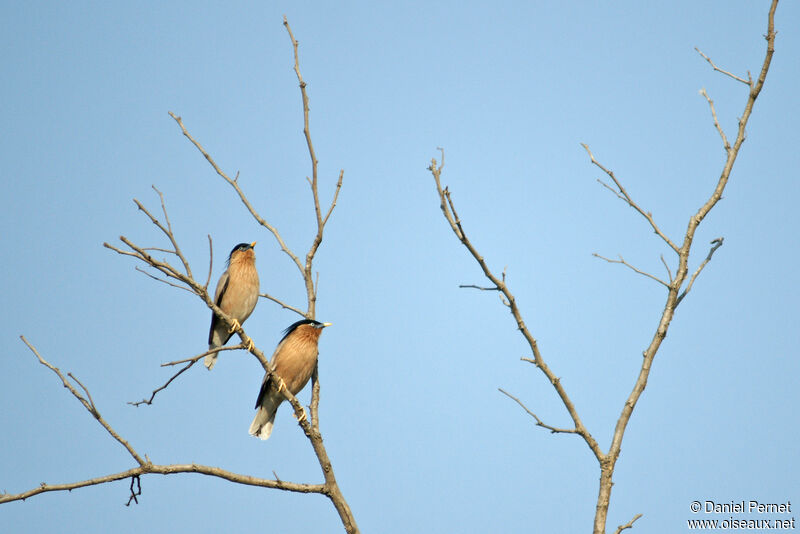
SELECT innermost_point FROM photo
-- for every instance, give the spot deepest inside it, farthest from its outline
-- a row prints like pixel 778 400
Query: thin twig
pixel 717 125
pixel 539 422
pixel 473 286
pixel 137 268
pixel 623 194
pixel 335 197
pixel 242 197
pixel 669 272
pixel 748 82
pixel 282 304
pixel 313 181
pixel 628 525
pixel 210 262
pixel 89 405
pixel 159 249
pixel 88 395
pixel 622 261
pixel 215 350
pixel 715 244
pixel 167 383
pixel 168 232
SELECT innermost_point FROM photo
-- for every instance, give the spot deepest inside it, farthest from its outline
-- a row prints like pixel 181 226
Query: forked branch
pixel 234 183
pixel 451 215
pixel 145 466
pixel 621 193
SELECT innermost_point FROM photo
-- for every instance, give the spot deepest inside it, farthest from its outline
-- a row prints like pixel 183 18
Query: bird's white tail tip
pixel 260 427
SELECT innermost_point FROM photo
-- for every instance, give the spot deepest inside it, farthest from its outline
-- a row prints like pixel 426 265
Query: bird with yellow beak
pixel 294 360
pixel 236 295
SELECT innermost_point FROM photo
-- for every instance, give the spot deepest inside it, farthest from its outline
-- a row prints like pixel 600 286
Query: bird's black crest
pixel 299 323
pixel 240 246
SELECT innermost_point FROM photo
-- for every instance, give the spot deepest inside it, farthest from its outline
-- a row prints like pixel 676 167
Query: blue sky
pixel 420 438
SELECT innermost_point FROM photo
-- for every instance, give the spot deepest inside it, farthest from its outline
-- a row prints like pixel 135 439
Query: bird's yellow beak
pixel 253 244
pixel 327 324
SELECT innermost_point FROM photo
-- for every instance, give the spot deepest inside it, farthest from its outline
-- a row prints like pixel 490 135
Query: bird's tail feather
pixel 265 416
pixel 210 359
pixel 261 426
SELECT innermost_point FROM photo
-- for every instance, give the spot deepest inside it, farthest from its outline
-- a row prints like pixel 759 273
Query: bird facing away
pixel 237 295
pixel 294 360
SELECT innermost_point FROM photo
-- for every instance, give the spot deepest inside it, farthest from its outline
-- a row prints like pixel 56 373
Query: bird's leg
pixel 234 326
pixel 302 417
pixel 250 344
pixel 281 386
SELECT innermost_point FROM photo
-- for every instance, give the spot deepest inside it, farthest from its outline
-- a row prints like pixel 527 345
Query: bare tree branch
pixel 88 395
pixel 158 249
pixel 170 469
pixel 157 279
pixel 161 388
pixel 622 261
pixel 145 466
pixel 715 244
pixel 171 236
pixel 88 404
pixel 335 198
pixel 666 266
pixel 748 81
pixel 725 142
pixel 623 194
pixel 235 184
pixel 451 215
pixel 312 428
pixel 203 355
pixel 481 288
pixel 210 262
pixel 282 304
pixel 628 525
pixel 313 182
pixel 539 422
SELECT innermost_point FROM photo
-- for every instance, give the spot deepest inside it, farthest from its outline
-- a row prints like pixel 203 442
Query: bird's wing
pixel 265 385
pixel 222 286
pixel 264 391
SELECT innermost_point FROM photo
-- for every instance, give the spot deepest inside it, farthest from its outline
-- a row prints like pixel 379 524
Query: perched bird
pixel 237 295
pixel 294 360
